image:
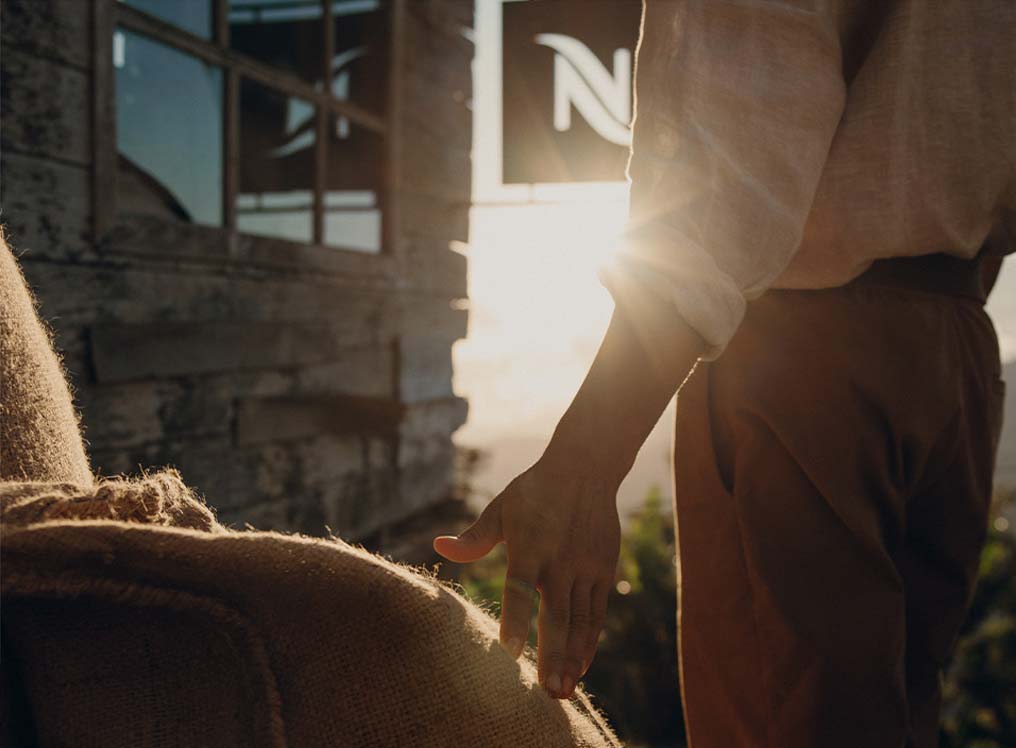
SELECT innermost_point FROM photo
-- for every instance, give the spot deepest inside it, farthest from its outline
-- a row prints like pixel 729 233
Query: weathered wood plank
pixel 425 368
pixel 294 417
pixel 353 500
pixel 444 19
pixel 462 12
pixel 448 68
pixel 346 484
pixel 411 541
pixel 137 235
pixel 426 430
pixel 140 291
pixel 46 206
pixel 438 271
pixel 429 316
pixel 122 416
pixel 368 372
pixel 43 109
pixel 231 478
pixel 423 484
pixel 424 215
pixel 362 504
pixel 431 168
pixel 55 29
pixel 122 353
pixel 439 114
pixel 338 483
pixel 452 122
pixel 133 414
pixel 353 318
pixel 274 516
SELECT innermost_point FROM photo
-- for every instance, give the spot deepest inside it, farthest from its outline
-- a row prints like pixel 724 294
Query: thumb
pixel 476 541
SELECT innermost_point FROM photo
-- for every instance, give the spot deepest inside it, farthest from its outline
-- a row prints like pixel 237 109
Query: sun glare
pixel 537 314
pixel 537 311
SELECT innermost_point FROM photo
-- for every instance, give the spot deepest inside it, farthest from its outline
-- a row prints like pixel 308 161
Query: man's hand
pixel 562 534
pixel 559 518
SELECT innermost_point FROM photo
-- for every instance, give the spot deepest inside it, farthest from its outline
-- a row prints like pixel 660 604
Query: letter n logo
pixel 582 81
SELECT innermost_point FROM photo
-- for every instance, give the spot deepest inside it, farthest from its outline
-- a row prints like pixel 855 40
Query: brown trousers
pixel 833 476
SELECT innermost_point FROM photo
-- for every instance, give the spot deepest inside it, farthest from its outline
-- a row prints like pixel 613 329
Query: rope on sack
pixel 159 498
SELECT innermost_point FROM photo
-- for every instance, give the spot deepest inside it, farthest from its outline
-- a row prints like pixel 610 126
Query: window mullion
pixel 324 117
pixel 389 198
pixel 231 149
pixel 320 154
pixel 104 144
pixel 212 53
pixel 221 19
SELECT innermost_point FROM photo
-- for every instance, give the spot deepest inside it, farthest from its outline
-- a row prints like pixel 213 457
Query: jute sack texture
pixel 132 618
pixel 39 434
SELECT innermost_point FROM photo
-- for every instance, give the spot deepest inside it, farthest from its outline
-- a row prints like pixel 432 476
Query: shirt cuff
pixel 684 278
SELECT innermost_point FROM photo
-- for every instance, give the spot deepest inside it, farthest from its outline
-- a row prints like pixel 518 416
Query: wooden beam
pixel 133 352
pixel 273 419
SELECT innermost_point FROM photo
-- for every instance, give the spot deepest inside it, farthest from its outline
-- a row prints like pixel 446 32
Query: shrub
pixel 979 691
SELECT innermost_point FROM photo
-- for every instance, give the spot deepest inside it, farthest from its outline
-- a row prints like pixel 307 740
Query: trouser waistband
pixel 934 273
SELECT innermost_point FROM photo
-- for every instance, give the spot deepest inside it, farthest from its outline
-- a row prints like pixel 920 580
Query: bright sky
pixel 537 309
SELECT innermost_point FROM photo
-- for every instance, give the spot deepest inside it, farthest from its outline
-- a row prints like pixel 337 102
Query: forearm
pixel 641 363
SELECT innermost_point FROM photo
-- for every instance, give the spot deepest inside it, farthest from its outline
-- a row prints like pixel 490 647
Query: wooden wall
pixel 296 387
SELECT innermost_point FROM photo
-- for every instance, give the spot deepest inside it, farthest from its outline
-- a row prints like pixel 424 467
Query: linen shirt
pixel 790 143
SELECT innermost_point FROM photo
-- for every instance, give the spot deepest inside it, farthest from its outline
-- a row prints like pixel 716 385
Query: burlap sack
pixel 131 618
pixel 266 638
pixel 39 434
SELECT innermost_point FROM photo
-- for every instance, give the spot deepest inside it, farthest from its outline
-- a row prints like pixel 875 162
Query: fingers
pixel 517 606
pixel 555 614
pixel 597 617
pixel 578 633
pixel 476 541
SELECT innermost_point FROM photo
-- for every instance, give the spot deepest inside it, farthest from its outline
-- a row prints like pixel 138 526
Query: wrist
pixel 587 452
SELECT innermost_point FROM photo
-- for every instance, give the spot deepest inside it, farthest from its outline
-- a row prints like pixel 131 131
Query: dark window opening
pixel 277 164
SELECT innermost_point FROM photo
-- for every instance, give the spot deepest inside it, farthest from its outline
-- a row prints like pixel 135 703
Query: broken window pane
pixel 360 65
pixel 168 131
pixel 277 137
pixel 286 34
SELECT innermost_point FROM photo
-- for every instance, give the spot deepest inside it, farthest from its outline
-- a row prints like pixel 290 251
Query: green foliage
pixel 635 676
pixel 979 692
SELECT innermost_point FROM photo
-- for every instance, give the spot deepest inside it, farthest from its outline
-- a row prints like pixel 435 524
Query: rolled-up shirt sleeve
pixel 737 103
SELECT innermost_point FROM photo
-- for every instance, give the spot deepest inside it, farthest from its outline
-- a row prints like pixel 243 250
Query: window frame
pixel 108 15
